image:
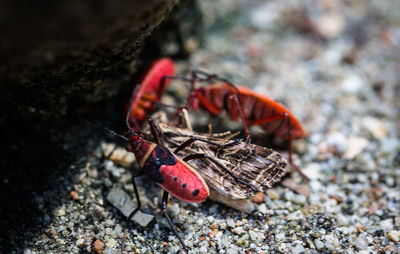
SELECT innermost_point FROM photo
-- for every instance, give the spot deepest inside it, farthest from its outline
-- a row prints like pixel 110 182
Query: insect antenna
pixel 128 118
pixel 115 134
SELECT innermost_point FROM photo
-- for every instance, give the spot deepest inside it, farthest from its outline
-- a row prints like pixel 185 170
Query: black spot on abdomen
pixel 195 192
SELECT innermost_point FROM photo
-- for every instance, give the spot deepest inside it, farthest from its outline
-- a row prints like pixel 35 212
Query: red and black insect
pixel 150 90
pixel 168 170
pixel 240 102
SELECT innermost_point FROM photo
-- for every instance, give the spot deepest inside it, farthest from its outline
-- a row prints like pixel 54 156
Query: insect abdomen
pixel 184 182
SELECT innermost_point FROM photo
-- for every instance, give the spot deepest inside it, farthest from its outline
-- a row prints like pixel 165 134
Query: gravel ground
pixel 336 66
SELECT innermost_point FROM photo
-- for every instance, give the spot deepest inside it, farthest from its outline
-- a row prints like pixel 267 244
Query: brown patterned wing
pixel 238 170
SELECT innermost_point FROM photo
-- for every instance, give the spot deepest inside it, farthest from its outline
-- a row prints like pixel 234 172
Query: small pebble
pixel 238 230
pixel 262 209
pixel 361 244
pixel 80 242
pixel 279 237
pixel 108 250
pixel 337 140
pixel 272 194
pixel 98 246
pixel 342 220
pixel 375 127
pixel 352 84
pixel 298 249
pixel 299 199
pixel 111 242
pixel 231 223
pixel 319 244
pixel 355 146
pixel 253 235
pixel 74 195
pixel 59 211
pixel 386 225
pixel 28 251
pixel 258 198
pixel 394 236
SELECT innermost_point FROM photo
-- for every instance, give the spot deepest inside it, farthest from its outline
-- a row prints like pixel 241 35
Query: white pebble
pixel 80 242
pixel 262 208
pixel 342 220
pixel 231 223
pixel 319 244
pixel 232 250
pixel 375 127
pixel 394 236
pixel 200 221
pixel 203 249
pixel 238 230
pixel 59 212
pixel 111 242
pixel 264 16
pixel 298 249
pixel 337 140
pixel 352 84
pixel 27 251
pixel 295 216
pixel 253 235
pixel 299 199
pixel 386 225
pixel 355 146
pixel 108 250
pixel 361 244
pixel 279 237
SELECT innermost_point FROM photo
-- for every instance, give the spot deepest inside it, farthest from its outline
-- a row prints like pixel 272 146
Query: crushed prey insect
pixel 258 167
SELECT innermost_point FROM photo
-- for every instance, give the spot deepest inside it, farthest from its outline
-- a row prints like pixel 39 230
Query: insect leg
pixel 212 77
pixel 235 99
pixel 153 129
pixel 107 157
pixel 161 104
pixel 290 151
pixel 164 78
pixel 139 204
pixel 193 139
pixel 164 204
pixel 285 117
pixel 268 119
pixel 192 82
pixel 205 156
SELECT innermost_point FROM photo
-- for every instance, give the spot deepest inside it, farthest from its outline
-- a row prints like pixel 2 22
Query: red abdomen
pixel 150 89
pixel 183 182
pixel 255 106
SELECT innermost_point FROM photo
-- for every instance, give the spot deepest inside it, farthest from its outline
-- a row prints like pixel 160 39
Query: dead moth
pixel 235 172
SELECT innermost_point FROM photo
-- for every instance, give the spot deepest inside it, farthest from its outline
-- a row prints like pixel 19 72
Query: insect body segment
pixel 184 182
pixel 169 171
pixel 151 89
pixel 257 109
